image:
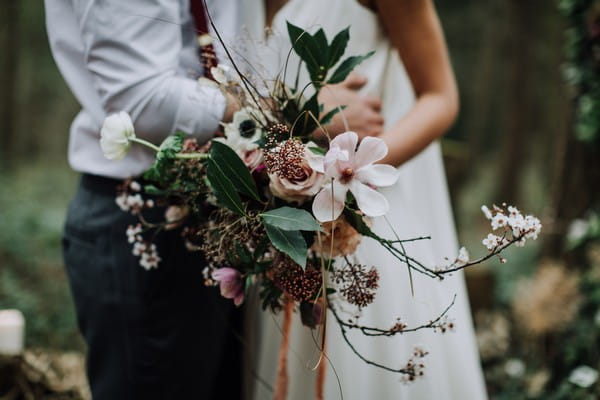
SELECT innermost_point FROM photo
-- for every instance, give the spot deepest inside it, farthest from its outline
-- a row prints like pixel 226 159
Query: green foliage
pixel 347 66
pixel 233 168
pixel 223 188
pixel 329 116
pixel 33 201
pixel 319 56
pixel 582 49
pixel 291 219
pixel 291 243
pixel 358 223
pixel 161 170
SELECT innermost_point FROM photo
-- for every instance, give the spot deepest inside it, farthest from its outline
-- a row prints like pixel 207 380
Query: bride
pixel 410 72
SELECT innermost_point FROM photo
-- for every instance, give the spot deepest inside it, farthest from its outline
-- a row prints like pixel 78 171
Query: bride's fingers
pixel 373 102
pixel 355 81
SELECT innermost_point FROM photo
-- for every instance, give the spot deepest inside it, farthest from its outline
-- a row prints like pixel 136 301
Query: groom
pixel 158 334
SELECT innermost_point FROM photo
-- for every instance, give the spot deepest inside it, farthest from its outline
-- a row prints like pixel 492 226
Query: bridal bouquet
pixel 275 202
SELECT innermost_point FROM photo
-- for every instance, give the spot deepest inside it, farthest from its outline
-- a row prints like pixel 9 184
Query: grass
pixel 33 202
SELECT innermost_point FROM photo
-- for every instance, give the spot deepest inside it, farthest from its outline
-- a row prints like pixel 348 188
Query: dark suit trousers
pixel 158 334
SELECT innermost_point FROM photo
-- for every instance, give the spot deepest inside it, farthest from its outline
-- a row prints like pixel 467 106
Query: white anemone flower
pixel 351 169
pixel 116 134
pixel 245 130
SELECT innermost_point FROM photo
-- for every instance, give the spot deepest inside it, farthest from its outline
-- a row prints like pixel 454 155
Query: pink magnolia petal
pixel 331 160
pixel 378 175
pixel 329 202
pixel 370 150
pixel 369 201
pixel 315 161
pixel 345 141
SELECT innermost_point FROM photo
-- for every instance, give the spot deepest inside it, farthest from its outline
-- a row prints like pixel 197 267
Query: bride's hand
pixel 362 113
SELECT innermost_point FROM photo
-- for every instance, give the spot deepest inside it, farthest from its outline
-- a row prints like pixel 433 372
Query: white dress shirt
pixel 138 56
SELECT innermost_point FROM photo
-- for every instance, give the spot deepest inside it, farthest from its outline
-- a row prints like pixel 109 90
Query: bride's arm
pixel 414 29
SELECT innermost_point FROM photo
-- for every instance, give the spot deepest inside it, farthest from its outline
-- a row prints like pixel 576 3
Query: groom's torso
pixel 73 24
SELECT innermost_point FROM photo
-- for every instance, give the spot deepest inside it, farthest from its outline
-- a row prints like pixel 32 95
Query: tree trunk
pixel 9 17
pixel 515 140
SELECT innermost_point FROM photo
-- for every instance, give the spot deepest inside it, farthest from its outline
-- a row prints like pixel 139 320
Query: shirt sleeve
pixel 133 49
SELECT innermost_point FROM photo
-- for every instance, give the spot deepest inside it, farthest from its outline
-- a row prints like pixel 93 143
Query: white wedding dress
pixel 419 207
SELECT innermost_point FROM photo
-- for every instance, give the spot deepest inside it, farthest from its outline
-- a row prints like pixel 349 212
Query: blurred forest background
pixel 527 135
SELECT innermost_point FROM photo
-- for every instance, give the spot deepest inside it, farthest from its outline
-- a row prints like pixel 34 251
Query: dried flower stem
pixel 370 331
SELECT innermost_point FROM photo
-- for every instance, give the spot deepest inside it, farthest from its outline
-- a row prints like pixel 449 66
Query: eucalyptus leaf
pixel 234 168
pixel 289 242
pixel 291 219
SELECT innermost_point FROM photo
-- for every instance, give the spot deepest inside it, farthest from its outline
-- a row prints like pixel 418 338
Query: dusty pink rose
pixel 230 283
pixel 305 185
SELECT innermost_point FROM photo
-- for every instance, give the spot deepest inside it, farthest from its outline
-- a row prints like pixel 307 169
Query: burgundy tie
pixel 206 51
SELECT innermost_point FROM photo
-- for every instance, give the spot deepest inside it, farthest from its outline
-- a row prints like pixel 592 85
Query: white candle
pixel 12 328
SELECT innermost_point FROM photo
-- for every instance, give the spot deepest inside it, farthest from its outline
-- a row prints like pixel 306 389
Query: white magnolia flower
pixel 352 169
pixel 115 135
pixel 583 376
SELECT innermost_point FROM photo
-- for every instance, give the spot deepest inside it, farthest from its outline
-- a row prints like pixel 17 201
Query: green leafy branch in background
pixel 582 67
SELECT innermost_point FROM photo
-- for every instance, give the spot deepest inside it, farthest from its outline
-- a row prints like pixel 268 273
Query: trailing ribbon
pixel 281 384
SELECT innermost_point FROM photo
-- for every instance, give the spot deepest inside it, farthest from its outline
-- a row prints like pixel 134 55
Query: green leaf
pixel 291 219
pixel 289 242
pixel 358 223
pixel 329 116
pixel 243 253
pixel 233 168
pixel 153 190
pixel 311 49
pixel 346 67
pixel 248 284
pixel 318 150
pixel 338 47
pixel 171 146
pixel 223 188
pixel 306 122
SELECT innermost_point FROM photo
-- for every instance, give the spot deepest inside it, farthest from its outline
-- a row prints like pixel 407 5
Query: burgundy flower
pixel 230 283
